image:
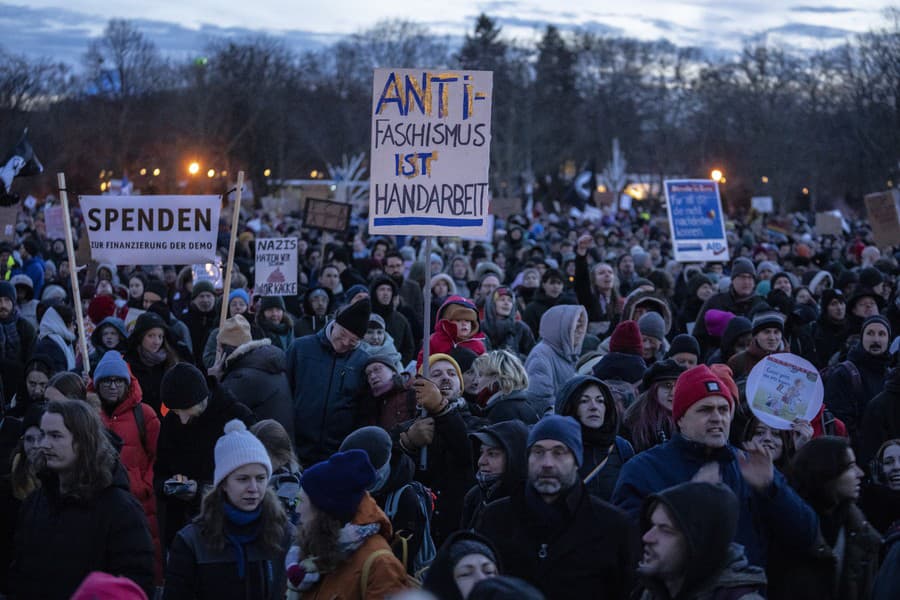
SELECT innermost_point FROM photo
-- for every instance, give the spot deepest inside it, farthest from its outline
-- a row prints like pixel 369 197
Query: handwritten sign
pixel 327 215
pixel 53 221
pixel 431 146
pixel 8 217
pixel 829 223
pixel 506 206
pixel 884 217
pixel 696 220
pixel 762 204
pixel 276 267
pixel 783 387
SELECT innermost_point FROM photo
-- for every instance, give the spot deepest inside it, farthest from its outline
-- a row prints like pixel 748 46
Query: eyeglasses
pixel 113 382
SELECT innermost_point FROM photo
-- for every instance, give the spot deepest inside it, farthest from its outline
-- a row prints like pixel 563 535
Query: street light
pixel 764 179
pixel 194 168
pixel 716 175
pixel 806 191
pixel 156 172
pixel 267 172
pixel 211 173
pixel 143 172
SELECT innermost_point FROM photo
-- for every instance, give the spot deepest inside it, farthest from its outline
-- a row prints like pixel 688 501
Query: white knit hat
pixel 238 447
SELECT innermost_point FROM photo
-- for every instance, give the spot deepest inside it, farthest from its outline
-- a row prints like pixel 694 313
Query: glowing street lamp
pixel 764 179
pixel 156 172
pixel 716 175
pixel 267 172
pixel 194 168
pixel 143 172
pixel 211 173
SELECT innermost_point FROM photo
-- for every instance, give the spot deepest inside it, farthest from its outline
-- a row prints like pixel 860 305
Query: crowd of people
pixel 578 426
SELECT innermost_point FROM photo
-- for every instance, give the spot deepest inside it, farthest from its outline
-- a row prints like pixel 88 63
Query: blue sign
pixel 696 220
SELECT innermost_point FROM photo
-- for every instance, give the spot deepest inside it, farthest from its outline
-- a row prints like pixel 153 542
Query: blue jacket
pixel 34 268
pixel 777 515
pixel 324 385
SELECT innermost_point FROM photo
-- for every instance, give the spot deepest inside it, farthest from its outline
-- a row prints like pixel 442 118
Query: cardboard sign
pixel 431 146
pixel 327 215
pixel 170 230
pixel 54 224
pixel 696 220
pixel 604 199
pixel 276 267
pixel 762 204
pixel 783 387
pixel 8 217
pixel 506 206
pixel 884 217
pixel 828 223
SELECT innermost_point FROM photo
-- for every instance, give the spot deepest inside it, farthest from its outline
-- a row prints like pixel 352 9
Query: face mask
pixel 381 477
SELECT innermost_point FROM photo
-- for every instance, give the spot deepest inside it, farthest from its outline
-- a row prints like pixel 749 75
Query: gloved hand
pixel 428 396
pixel 421 433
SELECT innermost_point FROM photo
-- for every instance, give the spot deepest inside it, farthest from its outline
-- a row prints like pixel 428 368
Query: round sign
pixel 782 388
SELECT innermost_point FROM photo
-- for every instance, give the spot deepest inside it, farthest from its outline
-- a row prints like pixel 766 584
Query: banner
pixel 696 220
pixel 762 204
pixel 276 267
pixel 9 215
pixel 54 224
pixel 829 223
pixel 431 146
pixel 327 215
pixel 783 387
pixel 141 230
pixel 884 217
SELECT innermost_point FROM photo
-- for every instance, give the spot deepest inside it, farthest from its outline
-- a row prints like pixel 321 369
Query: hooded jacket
pixel 309 323
pixel 511 436
pixel 255 374
pixel 60 540
pixel 439 578
pixel 656 303
pixel 552 361
pixel 736 327
pixel 55 341
pixel 394 323
pixel 97 338
pixel 601 446
pixel 847 401
pixel 505 333
pixel 444 339
pixel 540 304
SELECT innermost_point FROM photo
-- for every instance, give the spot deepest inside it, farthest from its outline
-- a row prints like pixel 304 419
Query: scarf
pixel 151 359
pixel 303 572
pixel 242 518
pixel 9 336
pixel 278 328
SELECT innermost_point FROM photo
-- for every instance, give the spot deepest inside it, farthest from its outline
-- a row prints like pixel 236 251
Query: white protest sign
pixel 276 267
pixel 696 220
pixel 171 230
pixel 431 146
pixel 762 204
pixel 783 387
pixel 212 272
pixel 53 223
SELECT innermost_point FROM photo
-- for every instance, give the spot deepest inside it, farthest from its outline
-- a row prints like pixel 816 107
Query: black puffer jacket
pixel 60 540
pixel 848 401
pixel 255 374
pixel 880 420
pixel 512 406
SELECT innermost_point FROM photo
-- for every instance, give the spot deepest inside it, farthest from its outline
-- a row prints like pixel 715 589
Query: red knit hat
pixel 626 338
pixel 101 307
pixel 102 586
pixel 693 386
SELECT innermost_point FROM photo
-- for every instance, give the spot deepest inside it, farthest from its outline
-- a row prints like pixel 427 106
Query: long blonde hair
pixel 506 367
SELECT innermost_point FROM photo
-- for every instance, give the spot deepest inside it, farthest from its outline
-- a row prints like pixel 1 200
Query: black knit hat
pixel 742 266
pixel 684 343
pixel 183 386
pixel 876 319
pixel 355 317
pixel 463 357
pixel 766 319
pixel 267 302
pixel 829 295
pixel 158 287
pixel 870 277
pixel 661 371
pixel 204 285
pixel 7 290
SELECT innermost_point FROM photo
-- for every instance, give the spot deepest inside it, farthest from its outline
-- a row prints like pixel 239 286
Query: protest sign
pixel 53 223
pixel 696 220
pixel 829 223
pixel 783 387
pixel 884 217
pixel 126 230
pixel 326 215
pixel 211 272
pixel 604 199
pixel 8 217
pixel 431 145
pixel 506 206
pixel 276 267
pixel 762 204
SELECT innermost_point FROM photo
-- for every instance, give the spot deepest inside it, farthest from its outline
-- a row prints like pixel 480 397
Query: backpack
pixel 400 543
pixel 141 426
pixel 855 378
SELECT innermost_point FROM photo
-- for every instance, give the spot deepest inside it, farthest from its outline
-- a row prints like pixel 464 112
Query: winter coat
pixel 815 574
pixel 505 333
pixel 653 302
pixel 828 338
pixel 880 419
pixel 597 310
pixel 743 362
pixel 580 547
pixel 880 504
pixel 887 582
pixel 34 268
pixel 439 578
pixel 726 301
pixel 196 571
pixel 512 437
pixel 323 387
pixel 97 339
pixel 255 374
pixel 138 452
pixel 55 341
pixel 776 516
pixel 506 407
pixel 212 343
pixel 150 378
pixel 541 303
pixel 395 406
pixel 199 325
pixel 188 450
pixel 12 364
pixel 280 334
pixel 552 361
pixel 444 339
pixel 411 296
pixel 60 540
pixel 386 575
pixel 847 401
pixel 394 323
pixel 736 581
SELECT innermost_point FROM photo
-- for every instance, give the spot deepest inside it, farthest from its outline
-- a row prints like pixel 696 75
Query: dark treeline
pixel 826 121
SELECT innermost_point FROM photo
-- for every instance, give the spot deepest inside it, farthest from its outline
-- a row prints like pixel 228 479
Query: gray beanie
pixel 652 325
pixel 374 441
pixel 742 266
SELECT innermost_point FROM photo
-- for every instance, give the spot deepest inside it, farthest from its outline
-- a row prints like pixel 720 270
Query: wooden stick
pixel 235 219
pixel 73 272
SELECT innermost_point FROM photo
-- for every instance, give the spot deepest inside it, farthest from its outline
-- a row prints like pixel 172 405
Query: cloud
pixel 822 9
pixel 811 31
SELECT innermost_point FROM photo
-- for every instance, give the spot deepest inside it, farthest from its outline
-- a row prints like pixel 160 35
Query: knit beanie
pixel 100 308
pixel 742 266
pixel 103 586
pixel 870 277
pixel 876 319
pixel 652 325
pixel 239 447
pixel 358 289
pixel 661 371
pixel 626 338
pixel 829 295
pixel 684 343
pixel 235 332
pixel 467 546
pixel 7 290
pixel 183 386
pixel 463 357
pixel 355 317
pixel 565 430
pixel 267 302
pixel 383 359
pixel 724 373
pixel 438 357
pixel 112 365
pixel 376 321
pixel 372 440
pixel 336 486
pixel 766 319
pixel 239 293
pixel 504 587
pixel 716 321
pixel 158 288
pixel 204 285
pixel 769 266
pixel 694 385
